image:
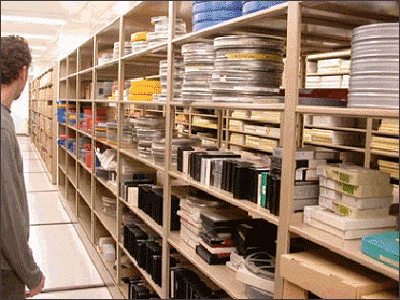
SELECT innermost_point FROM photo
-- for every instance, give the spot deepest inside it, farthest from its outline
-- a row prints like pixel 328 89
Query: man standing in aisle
pixel 18 268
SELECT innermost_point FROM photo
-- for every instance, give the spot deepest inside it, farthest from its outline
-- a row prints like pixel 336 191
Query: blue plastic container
pixel 207 6
pixel 222 15
pixel 253 6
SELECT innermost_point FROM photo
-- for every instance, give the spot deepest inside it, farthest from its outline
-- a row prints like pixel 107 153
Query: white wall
pixel 20 112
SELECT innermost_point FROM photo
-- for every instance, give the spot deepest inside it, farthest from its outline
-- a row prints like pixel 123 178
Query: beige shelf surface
pixel 108 222
pixel 149 221
pixel 329 73
pixel 251 133
pixel 355 149
pixel 232 105
pixel 254 209
pixel 220 274
pixel 336 128
pixel 250 147
pixel 105 183
pixel 348 248
pixel 134 153
pixel 347 111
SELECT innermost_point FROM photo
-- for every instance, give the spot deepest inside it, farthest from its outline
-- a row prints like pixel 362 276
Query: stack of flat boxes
pixel 353 202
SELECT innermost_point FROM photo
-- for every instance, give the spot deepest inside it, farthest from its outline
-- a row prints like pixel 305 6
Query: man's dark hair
pixel 15 54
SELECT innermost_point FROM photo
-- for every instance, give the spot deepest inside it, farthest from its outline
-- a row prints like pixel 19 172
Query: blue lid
pixel 216 16
pixel 253 6
pixel 216 5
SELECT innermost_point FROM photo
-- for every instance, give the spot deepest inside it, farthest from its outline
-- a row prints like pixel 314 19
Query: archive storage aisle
pixel 70 274
pixel 117 81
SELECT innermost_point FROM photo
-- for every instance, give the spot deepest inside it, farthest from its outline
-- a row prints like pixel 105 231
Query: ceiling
pixel 81 19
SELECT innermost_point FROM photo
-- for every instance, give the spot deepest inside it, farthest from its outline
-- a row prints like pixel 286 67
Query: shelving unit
pixel 42 99
pixel 309 28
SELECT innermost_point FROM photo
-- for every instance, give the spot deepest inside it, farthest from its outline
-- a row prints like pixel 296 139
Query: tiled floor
pixel 56 246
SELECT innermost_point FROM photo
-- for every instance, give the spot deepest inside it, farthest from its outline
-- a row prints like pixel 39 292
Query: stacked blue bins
pixel 209 13
pixel 61 112
pixel 253 6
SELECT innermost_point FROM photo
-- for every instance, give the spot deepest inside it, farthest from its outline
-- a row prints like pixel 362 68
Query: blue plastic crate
pixel 221 15
pixel 61 142
pixel 253 6
pixel 208 6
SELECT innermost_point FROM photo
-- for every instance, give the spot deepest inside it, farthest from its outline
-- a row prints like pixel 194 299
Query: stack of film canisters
pixel 209 13
pixel 246 68
pixel 374 75
pixel 198 59
pixel 178 80
pixel 253 6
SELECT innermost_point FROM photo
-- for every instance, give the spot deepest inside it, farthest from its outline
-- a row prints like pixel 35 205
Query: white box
pixel 344 234
pixel 329 218
pixel 363 191
pixel 349 211
pixel 359 203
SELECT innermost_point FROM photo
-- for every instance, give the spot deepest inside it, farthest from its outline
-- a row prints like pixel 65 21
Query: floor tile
pixel 26 147
pixel 33 166
pixel 38 182
pixel 29 155
pixel 94 293
pixel 46 208
pixel 62 257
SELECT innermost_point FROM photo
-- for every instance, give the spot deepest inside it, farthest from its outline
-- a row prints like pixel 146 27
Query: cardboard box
pixel 328 278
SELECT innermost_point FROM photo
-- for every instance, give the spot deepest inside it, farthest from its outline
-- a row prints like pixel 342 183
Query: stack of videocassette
pixel 247 68
pixel 198 59
pixel 374 76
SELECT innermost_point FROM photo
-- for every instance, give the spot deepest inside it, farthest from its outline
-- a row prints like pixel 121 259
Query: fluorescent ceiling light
pixel 38 47
pixel 30 36
pixel 44 21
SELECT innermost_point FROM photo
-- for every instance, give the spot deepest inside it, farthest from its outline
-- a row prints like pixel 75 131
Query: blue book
pixel 383 246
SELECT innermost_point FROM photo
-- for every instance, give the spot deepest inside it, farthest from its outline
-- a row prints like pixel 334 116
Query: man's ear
pixel 23 74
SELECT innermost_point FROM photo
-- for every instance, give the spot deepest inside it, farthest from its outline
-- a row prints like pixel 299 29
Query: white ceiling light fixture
pixel 30 36
pixel 37 47
pixel 32 20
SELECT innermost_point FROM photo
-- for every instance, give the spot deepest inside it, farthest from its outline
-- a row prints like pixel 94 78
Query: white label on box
pixel 133 196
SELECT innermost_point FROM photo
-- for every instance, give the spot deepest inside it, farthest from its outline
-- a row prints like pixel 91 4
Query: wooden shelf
pixel 220 274
pixel 134 153
pixel 385 153
pixel 336 128
pixel 251 133
pixel 254 209
pixel 108 222
pixel 348 248
pixel 340 147
pixel 148 220
pixel 105 184
pixel 344 111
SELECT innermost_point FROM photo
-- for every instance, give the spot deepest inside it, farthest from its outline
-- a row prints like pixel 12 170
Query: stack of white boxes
pixel 324 77
pixel 353 202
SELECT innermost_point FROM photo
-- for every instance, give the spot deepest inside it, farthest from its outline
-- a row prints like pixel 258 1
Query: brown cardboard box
pixel 331 278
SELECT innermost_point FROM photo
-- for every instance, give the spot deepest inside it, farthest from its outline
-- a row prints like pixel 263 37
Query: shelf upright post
pixel 289 142
pixel 368 141
pixel 92 94
pixel 169 116
pixel 120 117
